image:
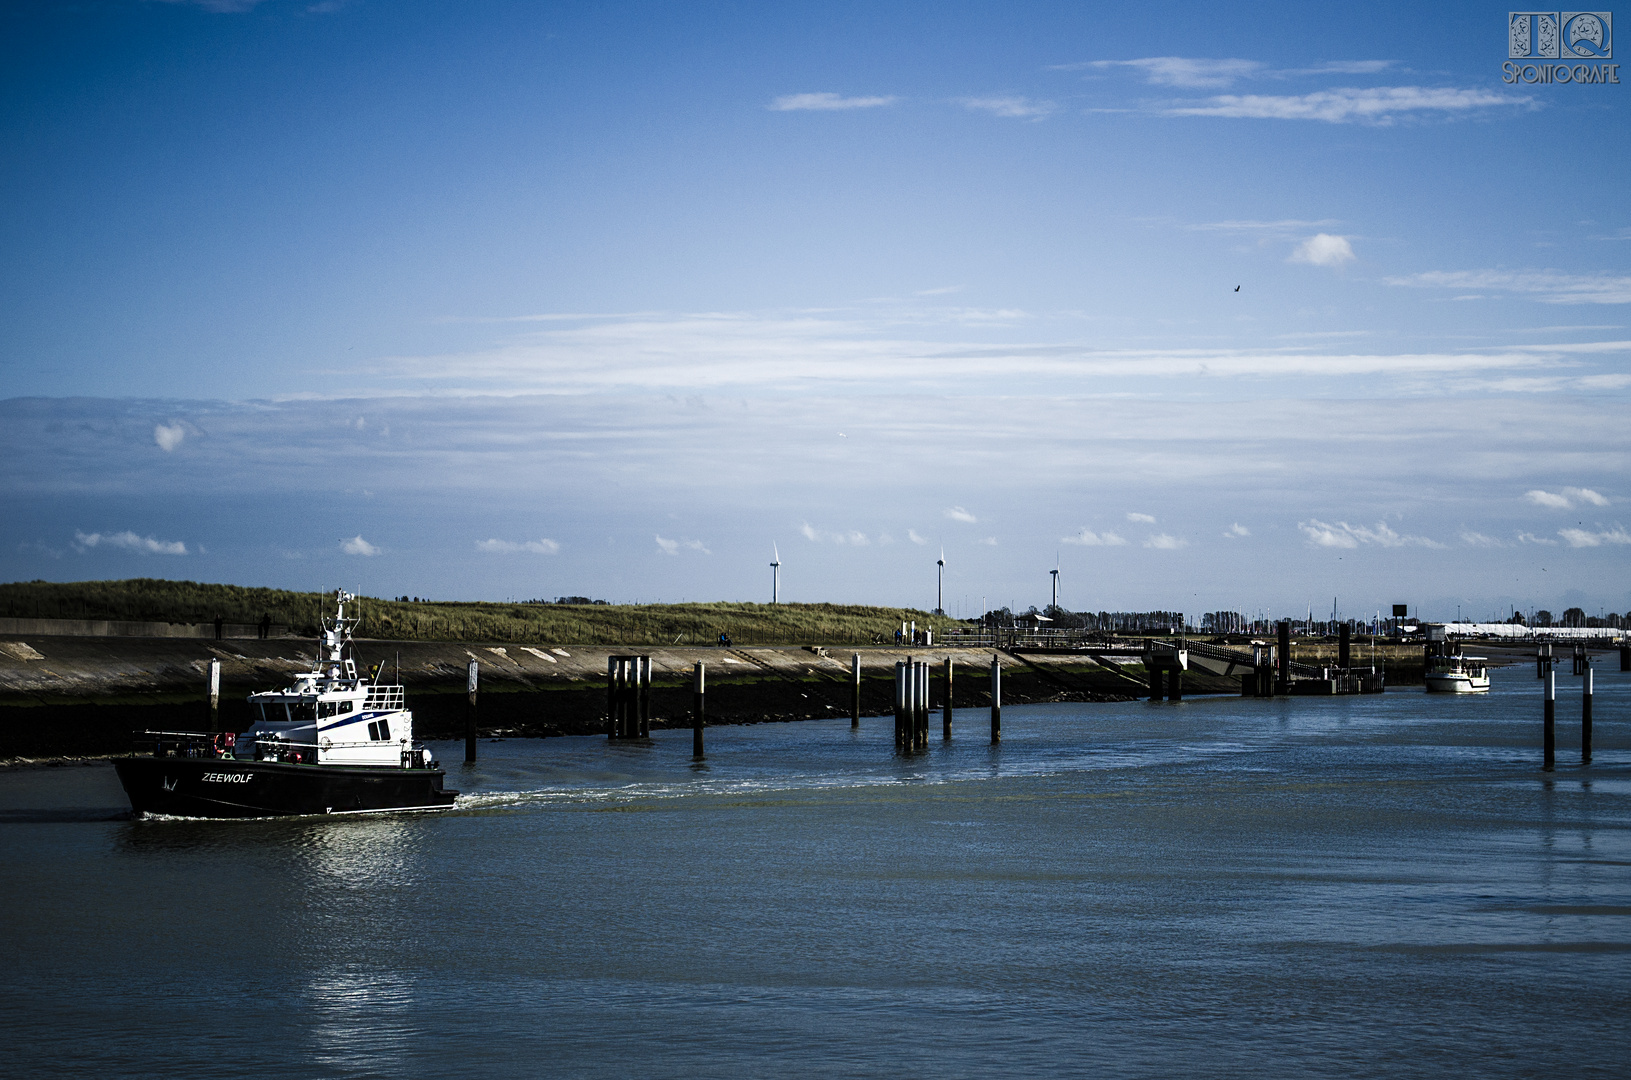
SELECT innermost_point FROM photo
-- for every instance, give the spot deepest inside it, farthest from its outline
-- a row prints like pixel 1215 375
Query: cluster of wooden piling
pixel 911 705
pixel 628 697
pixel 1548 741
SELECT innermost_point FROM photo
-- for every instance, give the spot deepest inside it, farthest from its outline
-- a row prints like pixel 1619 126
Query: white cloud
pixel 1546 286
pixel 1582 538
pixel 674 547
pixel 1531 538
pixel 826 102
pixel 1343 535
pixel 668 547
pixel 1380 106
pixel 1478 539
pixel 1185 71
pixel 169 436
pixel 1089 538
pixel 851 537
pixel 358 546
pixel 1566 499
pixel 1164 542
pixel 911 534
pixel 1021 108
pixel 1236 531
pixel 1288 225
pixel 1323 249
pixel 129 541
pixel 1142 518
pixel 1547 499
pixel 957 513
pixel 990 541
pixel 510 547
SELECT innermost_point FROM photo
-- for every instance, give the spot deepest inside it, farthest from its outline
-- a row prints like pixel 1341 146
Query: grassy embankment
pixel 153 600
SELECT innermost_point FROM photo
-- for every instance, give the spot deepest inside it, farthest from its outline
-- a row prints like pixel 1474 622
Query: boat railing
pixel 195 744
pixel 384 699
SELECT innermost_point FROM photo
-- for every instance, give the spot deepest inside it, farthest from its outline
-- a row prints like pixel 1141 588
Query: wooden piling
pixel 698 689
pixel 470 712
pixel 1282 657
pixel 901 702
pixel 1625 657
pixel 1585 719
pixel 1549 735
pixel 855 690
pixel 945 713
pixel 923 705
pixel 215 695
pixel 996 700
pixel 1156 678
pixel 1175 684
pixel 643 666
pixel 611 697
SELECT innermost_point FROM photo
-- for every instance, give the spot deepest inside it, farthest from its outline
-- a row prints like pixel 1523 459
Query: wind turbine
pixel 939 583
pixel 775 575
pixel 1055 573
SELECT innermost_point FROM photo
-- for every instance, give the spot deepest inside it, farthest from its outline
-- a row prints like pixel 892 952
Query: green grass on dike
pixel 154 600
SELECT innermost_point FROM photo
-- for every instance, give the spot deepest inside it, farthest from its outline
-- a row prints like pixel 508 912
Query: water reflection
pixel 362 1020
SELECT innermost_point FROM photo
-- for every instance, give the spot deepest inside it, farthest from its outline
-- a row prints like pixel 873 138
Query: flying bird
pixel 1237 288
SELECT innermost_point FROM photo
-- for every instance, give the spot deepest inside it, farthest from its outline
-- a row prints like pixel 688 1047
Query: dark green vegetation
pixel 154 600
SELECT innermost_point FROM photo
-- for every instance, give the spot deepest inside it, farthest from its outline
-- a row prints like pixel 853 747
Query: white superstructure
pixel 331 715
pixel 1457 675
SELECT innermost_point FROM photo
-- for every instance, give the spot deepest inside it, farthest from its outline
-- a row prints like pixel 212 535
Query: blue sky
pixel 489 300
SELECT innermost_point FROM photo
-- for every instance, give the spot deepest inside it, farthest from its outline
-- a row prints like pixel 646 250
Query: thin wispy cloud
pixel 1237 531
pixel 1184 72
pixel 1011 106
pixel 1323 249
pixel 827 102
pixel 1586 538
pixel 1379 106
pixel 1531 538
pixel 842 537
pixel 1343 535
pixel 1546 286
pixel 957 513
pixel 1147 519
pixel 1089 538
pixel 912 535
pixel 1288 225
pixel 128 541
pixel 1165 542
pixel 674 547
pixel 1478 539
pixel 358 546
pixel 1566 499
pixel 543 546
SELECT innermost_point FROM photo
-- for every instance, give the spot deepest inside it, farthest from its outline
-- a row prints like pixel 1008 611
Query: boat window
pixel 345 706
pixel 326 709
pixel 380 731
pixel 302 712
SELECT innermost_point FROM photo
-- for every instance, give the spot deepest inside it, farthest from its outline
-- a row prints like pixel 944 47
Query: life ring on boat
pixel 224 743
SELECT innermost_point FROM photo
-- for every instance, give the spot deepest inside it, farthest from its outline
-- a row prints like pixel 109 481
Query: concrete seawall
pixel 85 695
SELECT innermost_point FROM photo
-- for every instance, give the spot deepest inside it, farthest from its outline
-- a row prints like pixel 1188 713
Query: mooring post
pixel 923 706
pixel 215 695
pixel 1156 691
pixel 1549 737
pixel 996 700
pixel 945 714
pixel 611 697
pixel 1175 683
pixel 698 688
pixel 900 698
pixel 1282 656
pixel 644 665
pixel 855 690
pixel 1585 719
pixel 1625 657
pixel 470 713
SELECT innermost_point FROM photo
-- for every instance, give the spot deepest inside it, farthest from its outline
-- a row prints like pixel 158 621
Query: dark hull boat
pixel 227 788
pixel 333 742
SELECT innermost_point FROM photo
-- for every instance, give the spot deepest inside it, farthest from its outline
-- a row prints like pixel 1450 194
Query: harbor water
pixel 1363 886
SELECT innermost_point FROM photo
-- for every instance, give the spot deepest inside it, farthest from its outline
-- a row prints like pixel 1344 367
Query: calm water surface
pixel 1223 887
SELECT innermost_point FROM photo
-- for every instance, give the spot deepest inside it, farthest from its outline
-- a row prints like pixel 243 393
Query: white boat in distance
pixel 1457 675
